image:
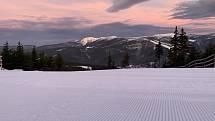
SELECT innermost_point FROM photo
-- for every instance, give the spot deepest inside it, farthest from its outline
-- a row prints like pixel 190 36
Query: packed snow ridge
pixel 108 95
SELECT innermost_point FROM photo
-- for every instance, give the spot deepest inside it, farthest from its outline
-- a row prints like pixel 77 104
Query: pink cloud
pixel 38 10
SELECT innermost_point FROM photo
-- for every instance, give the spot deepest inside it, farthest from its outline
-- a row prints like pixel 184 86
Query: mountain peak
pixel 88 40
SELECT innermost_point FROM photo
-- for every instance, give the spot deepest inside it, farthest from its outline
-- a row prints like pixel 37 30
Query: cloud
pixel 62 30
pixel 52 35
pixel 123 4
pixel 43 24
pixel 195 9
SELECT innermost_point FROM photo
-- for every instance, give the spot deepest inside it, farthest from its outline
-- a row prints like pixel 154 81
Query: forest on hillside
pixel 180 53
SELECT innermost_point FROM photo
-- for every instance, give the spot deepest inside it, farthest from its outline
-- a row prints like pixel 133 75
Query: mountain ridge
pixel 95 50
pixel 141 48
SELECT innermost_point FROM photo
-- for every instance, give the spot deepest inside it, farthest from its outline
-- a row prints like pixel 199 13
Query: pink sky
pixel 152 12
pixel 54 21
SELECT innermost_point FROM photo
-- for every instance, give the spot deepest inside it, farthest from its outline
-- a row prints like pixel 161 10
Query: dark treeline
pixel 182 51
pixel 18 59
pixel 124 61
pixel 31 61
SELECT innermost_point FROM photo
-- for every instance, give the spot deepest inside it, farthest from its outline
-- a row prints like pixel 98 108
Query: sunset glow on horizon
pixel 155 12
pixel 42 15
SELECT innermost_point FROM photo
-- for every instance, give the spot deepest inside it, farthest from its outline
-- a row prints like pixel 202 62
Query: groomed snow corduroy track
pixel 114 95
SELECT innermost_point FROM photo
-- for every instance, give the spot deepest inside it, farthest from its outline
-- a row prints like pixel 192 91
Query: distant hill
pixel 92 50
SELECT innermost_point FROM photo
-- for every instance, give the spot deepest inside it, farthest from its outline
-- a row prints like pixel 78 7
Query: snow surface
pixel 114 95
pixel 88 40
pixel 191 40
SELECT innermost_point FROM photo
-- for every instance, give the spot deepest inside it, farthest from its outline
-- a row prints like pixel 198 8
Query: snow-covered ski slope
pixel 114 95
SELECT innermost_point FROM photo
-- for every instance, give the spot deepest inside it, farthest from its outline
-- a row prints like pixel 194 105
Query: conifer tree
pixel 59 62
pixel 13 59
pixel 27 66
pixel 17 59
pixel 113 64
pixel 125 60
pixel 34 58
pixel 158 52
pixel 50 63
pixel 183 51
pixel 6 56
pixel 179 51
pixel 173 52
pixel 109 60
pixel 41 61
pixel 19 56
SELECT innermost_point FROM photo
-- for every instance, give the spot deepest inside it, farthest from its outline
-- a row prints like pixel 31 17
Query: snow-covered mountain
pixel 88 40
pixel 94 50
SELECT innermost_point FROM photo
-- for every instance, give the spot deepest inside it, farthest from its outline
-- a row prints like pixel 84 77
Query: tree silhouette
pixel 173 52
pixel 125 60
pixel 109 60
pixel 34 58
pixel 17 59
pixel 19 56
pixel 183 48
pixel 6 56
pixel 59 62
pixel 179 50
pixel 158 52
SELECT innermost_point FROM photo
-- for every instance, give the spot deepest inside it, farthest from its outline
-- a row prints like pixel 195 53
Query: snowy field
pixel 115 95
